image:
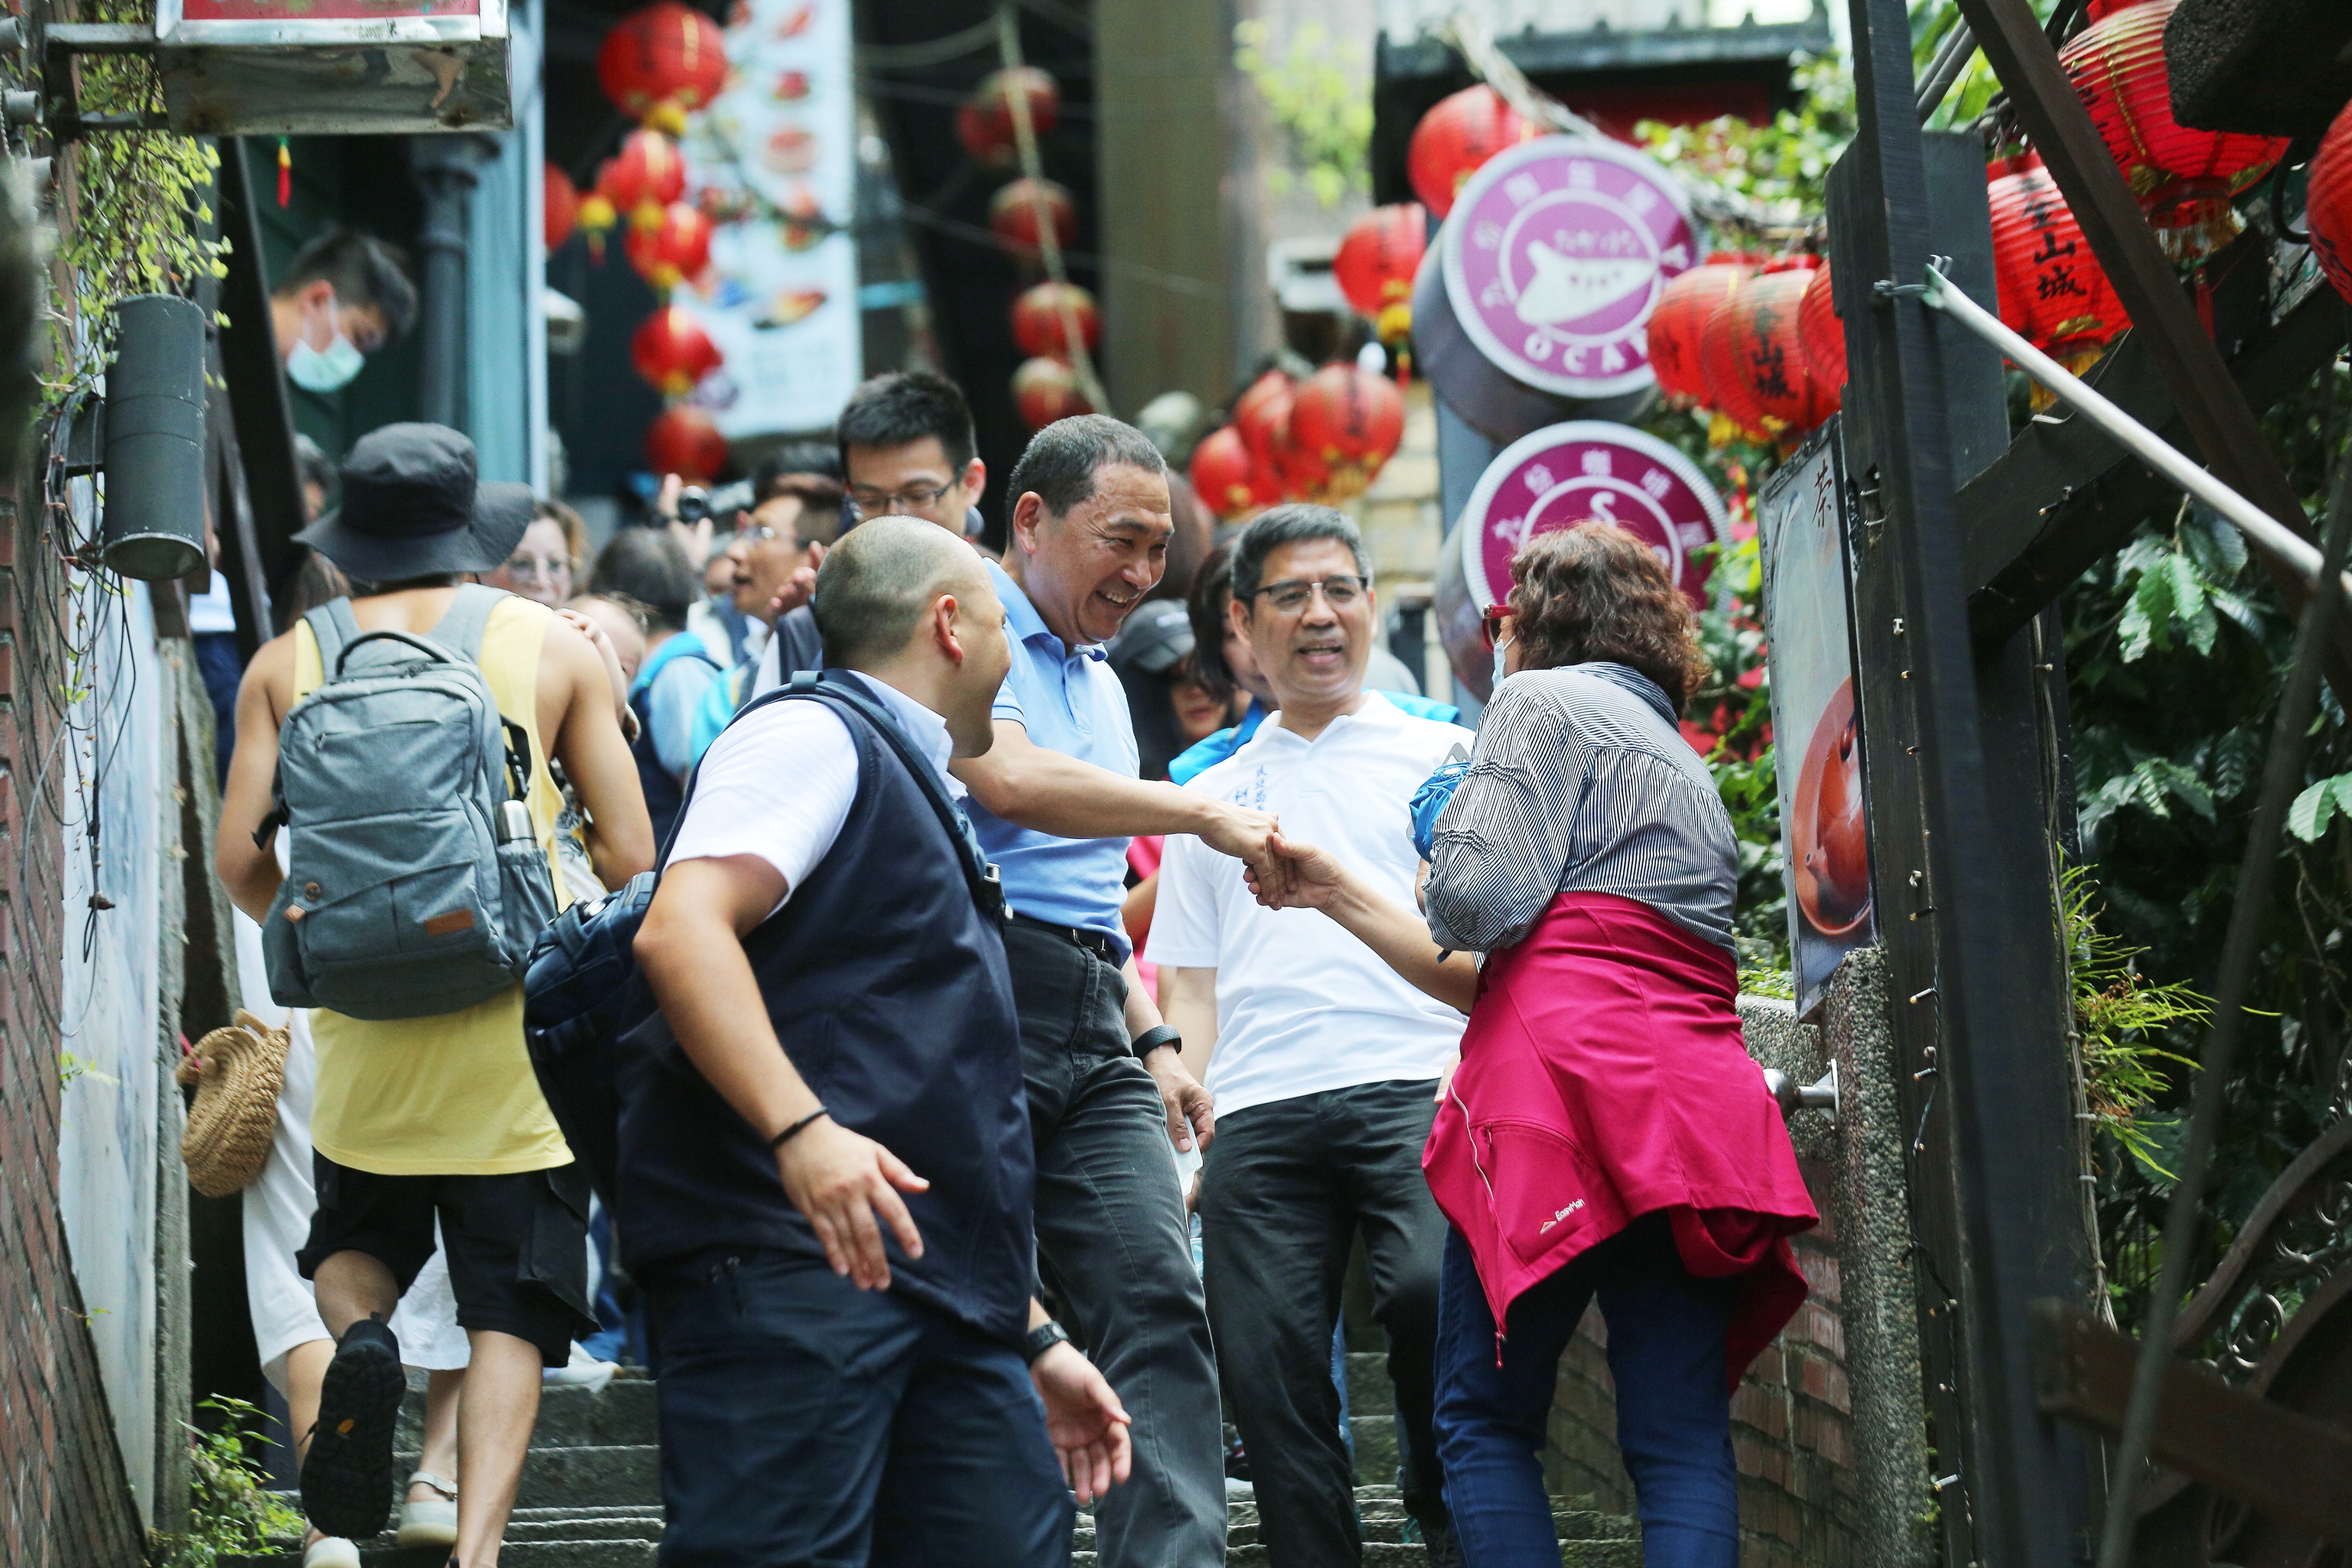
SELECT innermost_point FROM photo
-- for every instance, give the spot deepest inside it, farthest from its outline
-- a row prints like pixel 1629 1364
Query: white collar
pixel 1375 709
pixel 925 728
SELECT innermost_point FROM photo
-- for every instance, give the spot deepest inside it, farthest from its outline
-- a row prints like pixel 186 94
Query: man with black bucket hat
pixel 434 1116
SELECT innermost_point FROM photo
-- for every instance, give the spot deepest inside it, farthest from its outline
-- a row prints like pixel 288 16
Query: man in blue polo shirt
pixel 1054 801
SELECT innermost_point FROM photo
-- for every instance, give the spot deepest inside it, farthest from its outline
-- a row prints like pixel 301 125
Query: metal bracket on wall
pixel 60 95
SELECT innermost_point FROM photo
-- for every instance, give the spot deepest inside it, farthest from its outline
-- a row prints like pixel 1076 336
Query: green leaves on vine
pixel 2182 589
pixel 2317 806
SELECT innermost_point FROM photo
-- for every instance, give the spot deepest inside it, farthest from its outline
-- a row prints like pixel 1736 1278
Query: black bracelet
pixel 1151 1039
pixel 797 1128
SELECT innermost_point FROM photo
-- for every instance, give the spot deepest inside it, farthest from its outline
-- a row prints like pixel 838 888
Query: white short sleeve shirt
pixel 779 783
pixel 1303 1007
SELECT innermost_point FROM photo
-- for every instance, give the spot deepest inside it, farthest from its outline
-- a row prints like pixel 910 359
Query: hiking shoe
pixel 347 1477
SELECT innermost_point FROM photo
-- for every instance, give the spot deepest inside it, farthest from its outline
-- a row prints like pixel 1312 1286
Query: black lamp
pixel 154 519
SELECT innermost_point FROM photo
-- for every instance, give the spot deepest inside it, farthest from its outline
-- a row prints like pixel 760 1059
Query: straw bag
pixel 237 1072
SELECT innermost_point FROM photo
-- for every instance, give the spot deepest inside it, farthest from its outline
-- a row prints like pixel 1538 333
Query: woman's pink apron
pixel 1602 1079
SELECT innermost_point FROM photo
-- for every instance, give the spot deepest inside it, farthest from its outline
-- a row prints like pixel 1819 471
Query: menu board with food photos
pixel 1816 721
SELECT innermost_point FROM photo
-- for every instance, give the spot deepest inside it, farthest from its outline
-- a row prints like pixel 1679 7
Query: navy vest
pixel 886 984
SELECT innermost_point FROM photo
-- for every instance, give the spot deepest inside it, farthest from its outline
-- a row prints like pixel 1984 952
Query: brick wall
pixel 64 1501
pixel 1792 1423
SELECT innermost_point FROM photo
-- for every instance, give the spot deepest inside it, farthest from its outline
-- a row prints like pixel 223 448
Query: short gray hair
pixel 1296 523
pixel 876 584
pixel 1063 459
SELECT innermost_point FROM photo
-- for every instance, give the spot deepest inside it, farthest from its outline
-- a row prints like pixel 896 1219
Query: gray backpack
pixel 416 884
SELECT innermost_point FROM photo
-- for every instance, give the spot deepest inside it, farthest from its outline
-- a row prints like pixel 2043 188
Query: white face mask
pixel 1500 643
pixel 324 370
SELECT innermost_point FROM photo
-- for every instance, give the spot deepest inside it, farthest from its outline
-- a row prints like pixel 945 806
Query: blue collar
pixel 1027 626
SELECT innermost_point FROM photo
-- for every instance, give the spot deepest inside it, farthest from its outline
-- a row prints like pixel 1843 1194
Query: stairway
pixel 591 1494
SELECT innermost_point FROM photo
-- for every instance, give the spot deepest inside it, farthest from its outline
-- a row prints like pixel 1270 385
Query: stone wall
pixel 1828 1426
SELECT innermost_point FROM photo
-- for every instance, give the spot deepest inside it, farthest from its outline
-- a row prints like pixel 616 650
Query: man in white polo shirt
pixel 1324 1063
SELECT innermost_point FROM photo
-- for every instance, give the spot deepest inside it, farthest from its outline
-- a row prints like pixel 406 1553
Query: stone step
pixel 620 1414
pixel 1370 1392
pixel 622 1475
pixel 513 1554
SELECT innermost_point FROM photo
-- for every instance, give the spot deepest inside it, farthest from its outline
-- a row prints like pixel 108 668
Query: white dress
pixel 280 1203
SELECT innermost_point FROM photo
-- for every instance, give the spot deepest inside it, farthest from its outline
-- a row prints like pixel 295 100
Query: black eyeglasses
pixel 874 504
pixel 1340 590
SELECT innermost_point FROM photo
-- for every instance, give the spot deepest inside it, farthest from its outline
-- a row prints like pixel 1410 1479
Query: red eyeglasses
pixel 1491 621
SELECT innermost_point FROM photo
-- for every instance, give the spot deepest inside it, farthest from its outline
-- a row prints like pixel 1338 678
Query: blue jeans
pixel 807 1423
pixel 1674 1413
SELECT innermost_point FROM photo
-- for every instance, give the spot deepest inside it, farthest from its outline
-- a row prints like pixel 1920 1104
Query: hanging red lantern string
pixel 1013 215
pixel 1754 362
pixel 675 251
pixel 1261 414
pixel 1350 421
pixel 984 122
pixel 685 440
pixel 670 350
pixel 1821 332
pixel 1678 321
pixel 1040 316
pixel 1737 410
pixel 2053 291
pixel 1376 262
pixel 1232 481
pixel 1459 133
pixel 2327 203
pixel 1045 390
pixel 558 205
pixel 660 63
pixel 1303 474
pixel 2184 178
pixel 642 178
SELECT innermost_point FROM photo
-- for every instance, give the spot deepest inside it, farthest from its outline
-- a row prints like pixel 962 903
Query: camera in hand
pixel 693 504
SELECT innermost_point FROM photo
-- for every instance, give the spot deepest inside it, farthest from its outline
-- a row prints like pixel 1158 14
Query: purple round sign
pixel 1555 254
pixel 1589 470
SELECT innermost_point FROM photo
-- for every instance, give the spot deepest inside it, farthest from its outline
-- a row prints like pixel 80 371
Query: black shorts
pixel 518 1244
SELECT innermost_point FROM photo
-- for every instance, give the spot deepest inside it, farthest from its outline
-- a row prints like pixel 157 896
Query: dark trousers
pixel 1673 1415
pixel 1112 1233
pixel 217 663
pixel 808 1424
pixel 1288 1187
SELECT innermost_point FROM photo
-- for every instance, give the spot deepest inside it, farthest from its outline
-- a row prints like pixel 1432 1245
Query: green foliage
pixel 1785 161
pixel 232 1512
pixel 2308 817
pixel 2117 1015
pixel 136 218
pixel 1320 95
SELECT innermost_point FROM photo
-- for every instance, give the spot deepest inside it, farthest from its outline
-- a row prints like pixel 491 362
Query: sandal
pixel 331 1552
pixel 347 1474
pixel 434 1521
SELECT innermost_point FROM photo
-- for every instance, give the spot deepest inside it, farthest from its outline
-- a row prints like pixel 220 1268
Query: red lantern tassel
pixel 285 173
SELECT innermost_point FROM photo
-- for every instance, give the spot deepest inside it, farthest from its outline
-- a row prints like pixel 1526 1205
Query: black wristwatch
pixel 1151 1039
pixel 1041 1339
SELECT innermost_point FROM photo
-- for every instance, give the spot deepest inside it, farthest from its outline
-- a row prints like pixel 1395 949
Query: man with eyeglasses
pixel 1054 801
pixel 1326 1063
pixel 907 448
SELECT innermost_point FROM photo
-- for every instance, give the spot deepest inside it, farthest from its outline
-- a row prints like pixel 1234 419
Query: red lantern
pixel 1754 362
pixel 684 440
pixel 1013 215
pixel 1821 332
pixel 1376 262
pixel 2053 291
pixel 1037 318
pixel 1229 478
pixel 1350 420
pixel 1261 414
pixel 2327 205
pixel 642 178
pixel 671 350
pixel 2184 178
pixel 667 57
pixel 1456 136
pixel 677 249
pixel 1304 475
pixel 984 122
pixel 1045 390
pixel 558 205
pixel 1678 321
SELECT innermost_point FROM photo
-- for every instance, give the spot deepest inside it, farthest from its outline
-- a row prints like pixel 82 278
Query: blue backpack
pixel 583 991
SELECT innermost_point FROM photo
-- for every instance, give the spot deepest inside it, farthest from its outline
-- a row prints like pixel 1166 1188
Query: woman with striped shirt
pixel 1605 1132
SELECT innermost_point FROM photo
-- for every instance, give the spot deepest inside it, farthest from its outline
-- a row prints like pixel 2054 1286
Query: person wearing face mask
pixel 346 295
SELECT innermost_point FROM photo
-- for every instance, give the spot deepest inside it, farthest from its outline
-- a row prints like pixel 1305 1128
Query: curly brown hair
pixel 1594 592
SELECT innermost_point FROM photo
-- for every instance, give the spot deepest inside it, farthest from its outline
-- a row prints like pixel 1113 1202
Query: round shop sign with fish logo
pixel 1590 470
pixel 1555 255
